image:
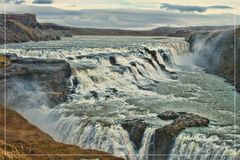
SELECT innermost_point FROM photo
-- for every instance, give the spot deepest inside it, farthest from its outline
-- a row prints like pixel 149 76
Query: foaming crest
pixel 200 146
pixel 97 134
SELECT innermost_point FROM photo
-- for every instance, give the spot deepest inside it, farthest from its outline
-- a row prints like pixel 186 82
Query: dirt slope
pixel 25 141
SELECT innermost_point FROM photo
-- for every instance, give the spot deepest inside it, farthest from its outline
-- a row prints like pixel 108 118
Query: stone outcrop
pixel 16 28
pixel 217 53
pixel 113 61
pixel 34 82
pixel 135 129
pixel 168 115
pixel 163 138
pixel 25 142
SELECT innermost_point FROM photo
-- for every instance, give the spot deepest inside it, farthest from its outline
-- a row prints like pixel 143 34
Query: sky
pixel 128 14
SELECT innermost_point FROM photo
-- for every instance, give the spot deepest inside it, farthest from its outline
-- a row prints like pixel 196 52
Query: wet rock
pixel 75 81
pixel 11 55
pixel 112 90
pixel 135 129
pixel 94 79
pixel 161 51
pixel 80 57
pixel 70 58
pixel 150 62
pixel 154 56
pixel 163 138
pixel 168 115
pixel 58 38
pixel 186 120
pixel 113 60
pixel 165 57
pixel 94 94
pixel 120 69
pixel 172 72
pixel 133 64
pixel 146 49
pixel 173 77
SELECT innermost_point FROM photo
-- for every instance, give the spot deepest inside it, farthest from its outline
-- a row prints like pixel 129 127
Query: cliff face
pixel 34 82
pixel 217 53
pixel 24 27
pixel 25 141
pixel 26 19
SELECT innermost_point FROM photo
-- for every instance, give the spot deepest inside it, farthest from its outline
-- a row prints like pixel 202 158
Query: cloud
pixel 183 8
pixel 122 18
pixel 12 1
pixel 42 2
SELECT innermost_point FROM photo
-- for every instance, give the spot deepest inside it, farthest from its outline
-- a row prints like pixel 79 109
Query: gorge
pixel 135 96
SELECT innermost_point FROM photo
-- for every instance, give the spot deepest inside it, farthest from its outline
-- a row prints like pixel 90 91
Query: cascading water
pixel 117 81
pixel 200 147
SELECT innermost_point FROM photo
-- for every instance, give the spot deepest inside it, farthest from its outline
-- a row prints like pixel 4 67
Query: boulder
pixel 168 115
pixel 112 60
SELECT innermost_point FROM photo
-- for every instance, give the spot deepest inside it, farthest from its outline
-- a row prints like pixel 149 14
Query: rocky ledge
pixel 25 142
pixel 162 140
pixel 32 82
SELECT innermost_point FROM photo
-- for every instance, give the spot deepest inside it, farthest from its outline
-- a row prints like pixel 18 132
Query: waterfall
pixel 201 147
pixel 101 76
pixel 104 83
pixel 175 47
pixel 96 134
pixel 209 48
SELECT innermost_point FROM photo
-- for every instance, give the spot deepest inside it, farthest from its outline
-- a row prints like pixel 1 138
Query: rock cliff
pixel 16 28
pixel 218 53
pixel 34 82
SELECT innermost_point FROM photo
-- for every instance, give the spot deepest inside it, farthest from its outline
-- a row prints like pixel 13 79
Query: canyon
pixel 136 98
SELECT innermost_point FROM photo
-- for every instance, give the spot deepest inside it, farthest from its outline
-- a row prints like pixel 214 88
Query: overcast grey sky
pixel 128 14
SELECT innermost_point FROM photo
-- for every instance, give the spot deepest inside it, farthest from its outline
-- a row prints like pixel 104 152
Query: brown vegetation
pixel 25 141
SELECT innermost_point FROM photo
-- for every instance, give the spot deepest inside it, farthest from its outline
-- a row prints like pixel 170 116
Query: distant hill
pixel 25 28
pixel 161 31
pixel 192 29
